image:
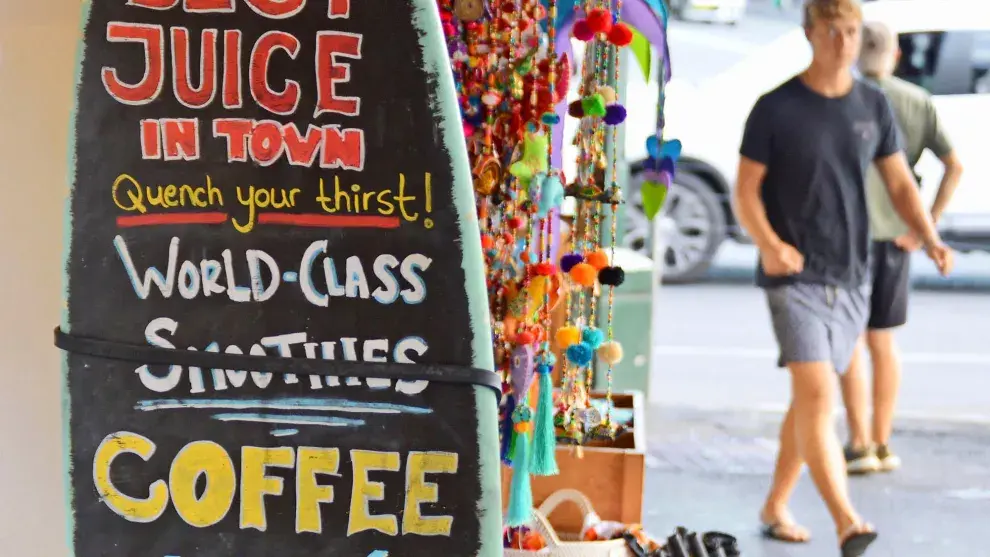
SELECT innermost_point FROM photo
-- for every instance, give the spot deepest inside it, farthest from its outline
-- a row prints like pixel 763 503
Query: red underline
pixel 329 221
pixel 171 218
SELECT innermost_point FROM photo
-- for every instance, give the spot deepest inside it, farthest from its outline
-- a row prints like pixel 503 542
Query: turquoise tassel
pixel 520 492
pixel 544 438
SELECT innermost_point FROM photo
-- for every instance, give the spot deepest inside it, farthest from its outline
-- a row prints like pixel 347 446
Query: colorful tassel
pixel 520 491
pixel 544 460
pixel 506 430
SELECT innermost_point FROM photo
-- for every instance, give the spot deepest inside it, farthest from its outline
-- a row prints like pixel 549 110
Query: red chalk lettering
pixel 300 150
pixel 209 6
pixel 152 37
pixel 266 142
pixel 232 69
pixel 343 148
pixel 236 131
pixel 339 9
pixel 154 4
pixel 151 141
pixel 329 46
pixel 277 9
pixel 201 95
pixel 180 138
pixel 283 103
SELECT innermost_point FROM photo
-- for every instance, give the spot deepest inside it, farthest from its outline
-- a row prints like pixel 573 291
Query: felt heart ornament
pixel 671 149
pixel 653 147
pixel 654 194
pixel 667 165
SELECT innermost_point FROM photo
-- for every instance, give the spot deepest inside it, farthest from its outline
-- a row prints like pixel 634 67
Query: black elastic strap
pixel 464 375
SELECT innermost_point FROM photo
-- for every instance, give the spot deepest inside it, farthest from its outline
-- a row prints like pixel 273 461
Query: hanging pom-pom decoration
pixel 580 354
pixel 597 259
pixel 575 110
pixel 544 461
pixel 620 35
pixel 581 31
pixel 615 114
pixel 610 352
pixel 612 276
pixel 568 261
pixel 567 335
pixel 583 274
pixel 593 337
pixel 593 105
pixel 607 93
pixel 521 491
pixel 599 21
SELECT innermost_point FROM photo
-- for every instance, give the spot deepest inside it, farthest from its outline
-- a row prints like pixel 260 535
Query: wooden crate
pixel 610 476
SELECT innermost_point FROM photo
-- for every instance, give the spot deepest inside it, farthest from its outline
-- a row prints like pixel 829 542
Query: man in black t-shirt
pixel 801 197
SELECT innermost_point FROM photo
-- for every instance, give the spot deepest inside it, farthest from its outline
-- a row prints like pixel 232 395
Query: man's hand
pixel 782 260
pixel 941 255
pixel 908 242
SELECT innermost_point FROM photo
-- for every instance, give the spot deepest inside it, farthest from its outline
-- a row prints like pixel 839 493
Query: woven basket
pixel 568 544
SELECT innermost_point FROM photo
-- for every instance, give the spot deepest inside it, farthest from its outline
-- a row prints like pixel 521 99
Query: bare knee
pixel 881 342
pixel 813 386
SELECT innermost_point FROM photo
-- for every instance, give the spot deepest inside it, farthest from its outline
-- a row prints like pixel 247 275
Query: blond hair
pixel 827 10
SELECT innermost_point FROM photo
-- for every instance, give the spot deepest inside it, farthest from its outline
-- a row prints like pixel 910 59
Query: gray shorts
pixel 818 323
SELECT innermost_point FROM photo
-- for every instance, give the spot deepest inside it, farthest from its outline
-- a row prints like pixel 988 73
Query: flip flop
pixel 855 545
pixel 777 531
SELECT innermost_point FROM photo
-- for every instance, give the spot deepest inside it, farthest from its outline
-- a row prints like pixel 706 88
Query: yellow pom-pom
pixel 610 352
pixel 567 335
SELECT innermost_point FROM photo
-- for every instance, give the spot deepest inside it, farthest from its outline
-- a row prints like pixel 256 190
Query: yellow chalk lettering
pixel 295 191
pixel 262 197
pixel 419 491
pixel 249 203
pixel 202 458
pixel 322 199
pixel 194 195
pixel 255 484
pixel 311 461
pixel 402 198
pixel 213 193
pixel 168 196
pixel 340 194
pixel 363 491
pixel 134 194
pixel 387 206
pixel 281 201
pixel 130 508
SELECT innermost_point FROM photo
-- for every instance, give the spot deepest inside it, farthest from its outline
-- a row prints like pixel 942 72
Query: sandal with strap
pixel 853 543
pixel 785 531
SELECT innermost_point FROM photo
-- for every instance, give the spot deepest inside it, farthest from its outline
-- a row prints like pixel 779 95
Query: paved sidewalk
pixel 710 471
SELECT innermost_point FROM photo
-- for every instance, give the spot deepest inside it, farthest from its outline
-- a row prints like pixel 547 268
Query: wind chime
pixel 510 80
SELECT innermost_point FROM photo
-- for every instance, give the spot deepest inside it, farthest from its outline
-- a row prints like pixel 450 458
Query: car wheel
pixel 699 227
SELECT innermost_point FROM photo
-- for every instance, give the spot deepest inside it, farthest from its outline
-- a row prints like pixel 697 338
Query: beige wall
pixel 37 44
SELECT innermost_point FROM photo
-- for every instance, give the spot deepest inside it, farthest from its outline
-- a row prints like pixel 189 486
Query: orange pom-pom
pixel 583 274
pixel 522 427
pixel 599 21
pixel 597 259
pixel 487 242
pixel 525 338
pixel 620 35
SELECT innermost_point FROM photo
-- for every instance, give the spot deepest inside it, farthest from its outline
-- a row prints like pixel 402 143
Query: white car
pixel 946 49
pixel 714 11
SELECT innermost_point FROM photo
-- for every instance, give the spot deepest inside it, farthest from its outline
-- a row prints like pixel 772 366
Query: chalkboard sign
pixel 279 179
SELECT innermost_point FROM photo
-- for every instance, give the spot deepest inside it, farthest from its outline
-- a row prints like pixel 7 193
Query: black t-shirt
pixel 817 151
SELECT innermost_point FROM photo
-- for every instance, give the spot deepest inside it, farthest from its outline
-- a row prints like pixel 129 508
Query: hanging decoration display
pixel 513 80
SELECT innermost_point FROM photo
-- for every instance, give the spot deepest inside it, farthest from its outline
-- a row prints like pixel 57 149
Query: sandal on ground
pixel 853 543
pixel 786 531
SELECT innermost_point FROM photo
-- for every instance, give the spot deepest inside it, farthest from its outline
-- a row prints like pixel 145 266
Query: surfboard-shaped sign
pixel 276 332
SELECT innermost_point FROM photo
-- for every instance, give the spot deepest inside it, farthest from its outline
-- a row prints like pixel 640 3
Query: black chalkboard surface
pixel 281 178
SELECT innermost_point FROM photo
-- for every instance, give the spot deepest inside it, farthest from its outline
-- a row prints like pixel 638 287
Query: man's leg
pixel 775 514
pixel 859 454
pixel 813 394
pixel 886 384
pixel 889 306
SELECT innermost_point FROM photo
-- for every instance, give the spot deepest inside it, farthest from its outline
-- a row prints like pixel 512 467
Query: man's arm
pixel 750 210
pixel 903 191
pixel 950 179
pixel 937 141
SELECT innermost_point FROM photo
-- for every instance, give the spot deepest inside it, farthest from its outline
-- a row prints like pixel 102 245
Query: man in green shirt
pixel 868 451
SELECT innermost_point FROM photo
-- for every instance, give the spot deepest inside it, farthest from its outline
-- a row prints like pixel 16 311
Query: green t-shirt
pixel 921 129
